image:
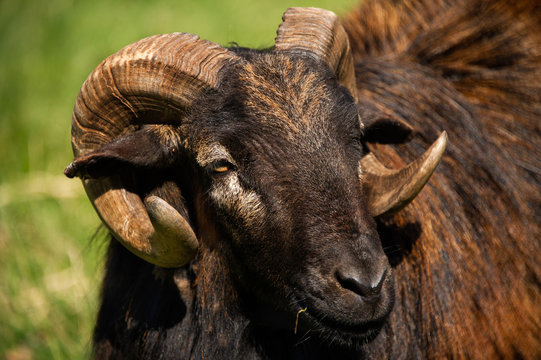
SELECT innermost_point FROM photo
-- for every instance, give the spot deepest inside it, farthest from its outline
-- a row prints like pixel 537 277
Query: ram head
pixel 259 155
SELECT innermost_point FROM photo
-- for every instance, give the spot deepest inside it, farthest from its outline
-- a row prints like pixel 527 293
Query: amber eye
pixel 220 169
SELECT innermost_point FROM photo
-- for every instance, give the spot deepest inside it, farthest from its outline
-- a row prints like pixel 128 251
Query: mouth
pixel 340 332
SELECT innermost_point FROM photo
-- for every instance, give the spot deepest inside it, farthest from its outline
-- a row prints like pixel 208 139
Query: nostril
pixel 360 285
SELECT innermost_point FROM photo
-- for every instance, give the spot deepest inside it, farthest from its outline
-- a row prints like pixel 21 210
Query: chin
pixel 343 335
pixel 341 320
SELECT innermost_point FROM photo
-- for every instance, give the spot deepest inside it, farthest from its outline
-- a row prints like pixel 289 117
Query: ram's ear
pixel 153 224
pixel 384 128
pixel 151 147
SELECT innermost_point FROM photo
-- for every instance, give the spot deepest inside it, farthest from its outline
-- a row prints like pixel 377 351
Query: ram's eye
pixel 220 169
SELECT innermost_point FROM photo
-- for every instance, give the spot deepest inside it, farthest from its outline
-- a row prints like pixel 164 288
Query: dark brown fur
pixel 467 251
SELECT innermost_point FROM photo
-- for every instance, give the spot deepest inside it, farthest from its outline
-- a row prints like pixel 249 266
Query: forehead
pixel 291 92
pixel 280 99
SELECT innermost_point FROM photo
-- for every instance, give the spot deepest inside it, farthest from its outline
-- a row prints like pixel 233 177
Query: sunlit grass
pixel 48 287
pixel 50 267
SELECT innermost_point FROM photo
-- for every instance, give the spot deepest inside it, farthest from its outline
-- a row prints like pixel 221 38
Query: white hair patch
pixel 246 204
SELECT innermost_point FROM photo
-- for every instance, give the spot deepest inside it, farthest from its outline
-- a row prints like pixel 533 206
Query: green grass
pixel 50 268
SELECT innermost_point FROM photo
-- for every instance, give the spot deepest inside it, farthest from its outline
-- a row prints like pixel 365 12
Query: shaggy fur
pixel 465 253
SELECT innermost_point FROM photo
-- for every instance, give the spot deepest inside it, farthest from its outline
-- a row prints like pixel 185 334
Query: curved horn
pixel 391 190
pixel 153 80
pixel 319 32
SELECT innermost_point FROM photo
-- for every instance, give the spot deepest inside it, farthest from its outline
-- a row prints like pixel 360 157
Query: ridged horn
pixel 388 190
pixel 154 80
pixel 319 32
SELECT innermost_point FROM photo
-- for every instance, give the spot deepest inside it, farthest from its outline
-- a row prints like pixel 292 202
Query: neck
pixel 217 326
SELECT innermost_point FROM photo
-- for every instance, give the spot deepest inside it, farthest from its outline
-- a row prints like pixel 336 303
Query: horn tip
pixel 443 138
pixel 439 146
pixel 70 171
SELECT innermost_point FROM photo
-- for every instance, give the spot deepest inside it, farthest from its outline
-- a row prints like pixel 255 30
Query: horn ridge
pixel 161 71
pixel 319 32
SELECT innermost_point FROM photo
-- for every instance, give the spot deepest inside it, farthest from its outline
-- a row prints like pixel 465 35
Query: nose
pixel 365 286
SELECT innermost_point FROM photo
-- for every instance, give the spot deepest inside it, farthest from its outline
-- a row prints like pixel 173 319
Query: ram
pixel 253 214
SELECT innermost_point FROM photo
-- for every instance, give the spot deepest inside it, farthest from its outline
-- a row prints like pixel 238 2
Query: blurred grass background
pixel 50 268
